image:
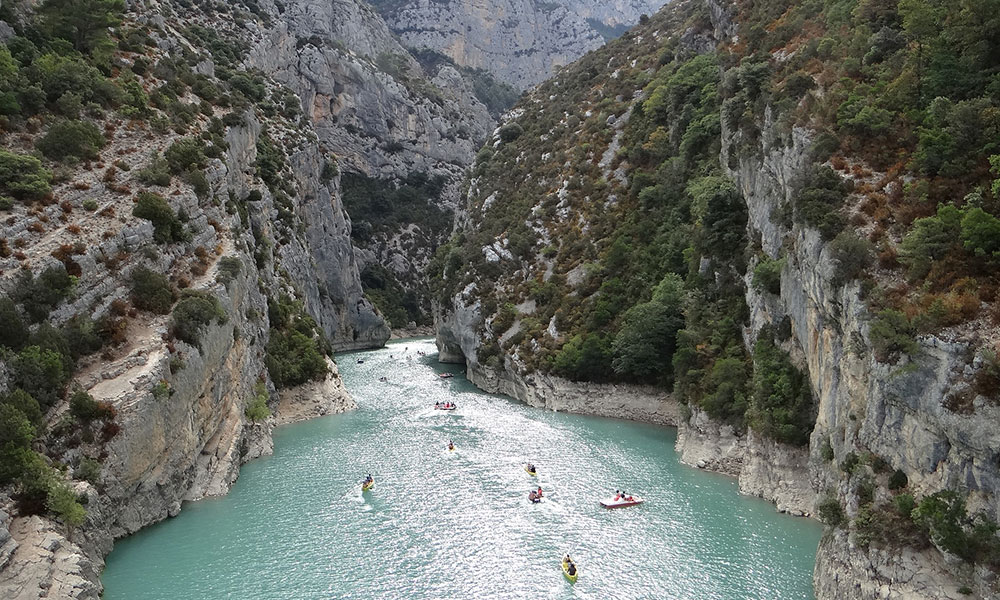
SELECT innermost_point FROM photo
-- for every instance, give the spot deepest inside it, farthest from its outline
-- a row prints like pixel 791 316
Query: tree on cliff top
pixel 84 23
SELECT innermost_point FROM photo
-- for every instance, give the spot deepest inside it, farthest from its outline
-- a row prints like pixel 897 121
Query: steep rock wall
pixel 895 411
pixel 521 42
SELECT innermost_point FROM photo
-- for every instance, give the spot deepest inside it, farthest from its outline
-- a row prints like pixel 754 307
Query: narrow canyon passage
pixel 443 524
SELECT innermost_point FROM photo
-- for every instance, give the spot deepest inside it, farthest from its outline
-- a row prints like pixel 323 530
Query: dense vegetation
pixel 296 348
pixel 902 95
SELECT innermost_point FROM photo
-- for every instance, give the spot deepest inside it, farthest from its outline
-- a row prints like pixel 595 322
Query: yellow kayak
pixel 532 473
pixel 451 448
pixel 571 578
pixel 367 486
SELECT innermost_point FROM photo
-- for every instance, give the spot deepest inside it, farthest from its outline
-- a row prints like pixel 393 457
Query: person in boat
pixel 539 492
pixel 437 405
pixel 617 495
pixel 451 445
pixel 360 361
pixel 531 468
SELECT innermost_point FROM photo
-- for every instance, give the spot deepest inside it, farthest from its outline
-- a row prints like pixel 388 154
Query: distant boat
pixel 443 407
pixel 446 375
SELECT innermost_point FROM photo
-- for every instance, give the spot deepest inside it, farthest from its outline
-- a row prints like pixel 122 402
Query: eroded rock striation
pixel 521 42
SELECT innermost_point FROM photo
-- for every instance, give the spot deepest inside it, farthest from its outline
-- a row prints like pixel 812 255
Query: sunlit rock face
pixel 522 42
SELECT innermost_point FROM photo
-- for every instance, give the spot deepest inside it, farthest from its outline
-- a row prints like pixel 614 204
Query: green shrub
pixel 943 517
pixel 819 199
pixel 62 502
pixel 725 396
pixel 644 346
pixel 826 451
pixel 15 428
pixel 510 132
pixel 294 358
pixel 767 275
pixel 505 318
pixel 851 256
pixel 850 463
pixel 84 23
pixel 981 233
pixel 79 140
pixel 88 470
pixel 39 295
pixel 83 406
pixel 82 336
pixel 161 390
pixel 892 334
pixel 585 357
pixel 931 239
pixel 270 162
pixel 152 291
pixel 166 226
pixel 229 269
pixel 90 204
pixel 23 176
pixel 184 155
pixel 257 409
pixel 781 404
pixel 28 406
pixel 330 171
pixel 193 313
pixel 904 504
pixel 157 172
pixel 14 333
pixel 830 511
pixel 199 183
pixel 41 373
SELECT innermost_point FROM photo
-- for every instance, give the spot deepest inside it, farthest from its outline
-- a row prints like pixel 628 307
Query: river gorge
pixel 443 524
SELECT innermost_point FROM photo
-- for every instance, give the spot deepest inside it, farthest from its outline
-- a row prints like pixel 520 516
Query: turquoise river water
pixel 457 525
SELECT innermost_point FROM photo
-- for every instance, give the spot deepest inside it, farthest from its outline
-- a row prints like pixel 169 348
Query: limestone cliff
pixel 180 424
pixel 521 42
pixel 380 112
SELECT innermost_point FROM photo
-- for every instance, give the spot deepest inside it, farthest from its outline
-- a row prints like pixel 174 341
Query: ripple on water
pixel 458 524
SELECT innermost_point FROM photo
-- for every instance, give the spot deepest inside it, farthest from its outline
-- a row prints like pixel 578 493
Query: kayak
pixel 367 486
pixel 612 503
pixel 571 578
pixel 446 375
pixel 532 473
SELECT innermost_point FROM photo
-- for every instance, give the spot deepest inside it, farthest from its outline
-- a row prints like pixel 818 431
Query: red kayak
pixel 622 502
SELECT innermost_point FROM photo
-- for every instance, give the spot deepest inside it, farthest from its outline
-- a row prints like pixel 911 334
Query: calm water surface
pixel 457 524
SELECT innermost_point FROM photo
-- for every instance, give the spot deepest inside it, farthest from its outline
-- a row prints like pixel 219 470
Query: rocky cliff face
pixel 375 108
pixel 895 411
pixel 521 42
pixel 182 428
